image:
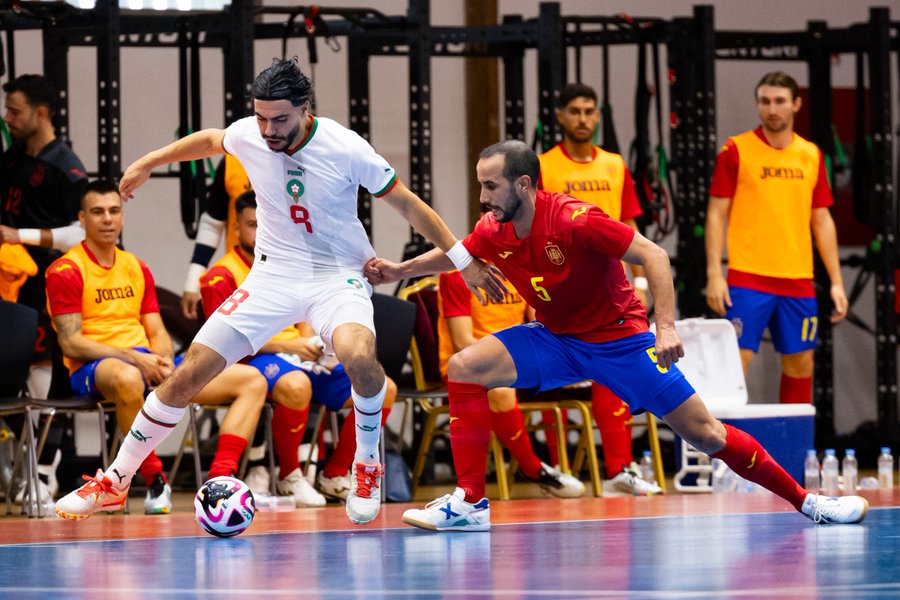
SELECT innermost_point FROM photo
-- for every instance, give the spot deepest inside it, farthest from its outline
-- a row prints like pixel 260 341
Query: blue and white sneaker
pixel 451 513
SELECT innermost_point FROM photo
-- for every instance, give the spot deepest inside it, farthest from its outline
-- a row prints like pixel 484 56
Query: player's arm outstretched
pixel 659 278
pixel 449 254
pixel 195 146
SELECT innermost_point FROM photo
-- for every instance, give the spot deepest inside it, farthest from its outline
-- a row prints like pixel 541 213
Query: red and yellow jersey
pixel 773 191
pixel 223 278
pixel 568 269
pixel 456 300
pixel 236 183
pixel 604 181
pixel 111 300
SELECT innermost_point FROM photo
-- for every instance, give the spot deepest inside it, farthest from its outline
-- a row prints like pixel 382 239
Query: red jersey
pixel 568 269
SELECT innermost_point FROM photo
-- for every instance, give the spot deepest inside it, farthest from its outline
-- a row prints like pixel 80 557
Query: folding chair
pixel 20 330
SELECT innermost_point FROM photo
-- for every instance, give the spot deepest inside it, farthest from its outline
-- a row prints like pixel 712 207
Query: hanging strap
pixel 610 141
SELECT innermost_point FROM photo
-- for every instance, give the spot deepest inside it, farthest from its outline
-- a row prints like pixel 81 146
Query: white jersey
pixel 306 196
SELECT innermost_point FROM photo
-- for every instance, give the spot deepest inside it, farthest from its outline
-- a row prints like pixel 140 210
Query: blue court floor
pixel 752 554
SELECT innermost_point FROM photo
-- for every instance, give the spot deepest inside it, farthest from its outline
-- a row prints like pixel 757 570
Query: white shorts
pixel 268 301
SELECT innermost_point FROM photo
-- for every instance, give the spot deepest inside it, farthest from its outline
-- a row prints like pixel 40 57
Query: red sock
pixel 548 417
pixel 228 455
pixel 613 419
pixel 749 459
pixel 287 432
pixel 470 435
pixel 510 428
pixel 795 390
pixel 151 467
pixel 341 459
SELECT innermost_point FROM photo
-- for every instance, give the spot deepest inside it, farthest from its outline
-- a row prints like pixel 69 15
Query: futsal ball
pixel 224 506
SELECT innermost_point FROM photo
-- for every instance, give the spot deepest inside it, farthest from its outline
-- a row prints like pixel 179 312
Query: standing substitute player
pixel 771 189
pixel 310 252
pixel 549 246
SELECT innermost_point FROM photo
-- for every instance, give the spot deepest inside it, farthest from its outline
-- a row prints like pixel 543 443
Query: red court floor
pixel 677 546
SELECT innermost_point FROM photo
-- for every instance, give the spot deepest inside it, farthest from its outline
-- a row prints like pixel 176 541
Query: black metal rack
pixel 693 47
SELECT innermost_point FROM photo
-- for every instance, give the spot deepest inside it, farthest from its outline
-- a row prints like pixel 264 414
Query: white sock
pixel 368 425
pixel 151 426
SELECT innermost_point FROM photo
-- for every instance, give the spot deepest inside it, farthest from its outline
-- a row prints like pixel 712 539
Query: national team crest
pixel 295 189
pixel 554 254
pixel 271 371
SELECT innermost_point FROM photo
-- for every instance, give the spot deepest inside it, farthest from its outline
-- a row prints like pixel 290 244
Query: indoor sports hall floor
pixel 675 546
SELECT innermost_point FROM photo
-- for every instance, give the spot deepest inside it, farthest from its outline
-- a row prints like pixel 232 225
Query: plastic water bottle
pixel 850 469
pixel 647 473
pixel 830 473
pixel 811 470
pixel 885 469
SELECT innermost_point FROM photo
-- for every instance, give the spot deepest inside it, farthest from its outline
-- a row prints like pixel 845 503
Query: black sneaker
pixel 559 484
pixel 159 497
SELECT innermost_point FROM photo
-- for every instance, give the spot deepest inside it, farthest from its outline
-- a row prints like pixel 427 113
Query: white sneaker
pixel 333 487
pixel 97 494
pixel 559 484
pixel 44 492
pixel 258 480
pixel 364 497
pixel 159 497
pixel 630 482
pixel 296 485
pixel 451 513
pixel 834 509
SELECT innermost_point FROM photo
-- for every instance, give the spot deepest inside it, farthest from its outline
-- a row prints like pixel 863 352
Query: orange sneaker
pixel 97 494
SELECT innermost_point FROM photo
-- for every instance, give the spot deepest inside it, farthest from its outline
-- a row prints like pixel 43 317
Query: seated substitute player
pixel 216 222
pixel 549 245
pixel 290 362
pixel 103 304
pixel 463 321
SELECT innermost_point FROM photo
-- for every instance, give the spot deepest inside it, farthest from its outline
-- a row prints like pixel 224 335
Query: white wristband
pixel 192 281
pixel 459 256
pixel 32 237
pixel 640 283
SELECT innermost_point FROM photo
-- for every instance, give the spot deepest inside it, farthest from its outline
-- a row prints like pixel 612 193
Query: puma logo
pixel 139 436
pixel 121 477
